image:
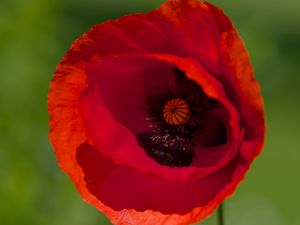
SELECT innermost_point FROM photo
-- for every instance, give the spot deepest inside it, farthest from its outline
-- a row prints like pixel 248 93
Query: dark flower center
pixel 179 118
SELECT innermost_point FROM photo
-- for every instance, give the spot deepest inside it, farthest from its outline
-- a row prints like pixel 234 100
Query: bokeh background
pixel 34 35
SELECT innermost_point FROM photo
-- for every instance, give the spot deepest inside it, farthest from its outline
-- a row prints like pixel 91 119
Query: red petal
pixel 238 76
pixel 195 25
pixel 111 131
pixel 68 132
pixel 121 187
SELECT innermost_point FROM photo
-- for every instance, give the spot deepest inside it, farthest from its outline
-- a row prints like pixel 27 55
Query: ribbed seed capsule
pixel 176 112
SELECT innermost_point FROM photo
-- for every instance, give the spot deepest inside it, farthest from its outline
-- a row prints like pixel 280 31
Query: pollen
pixel 176 112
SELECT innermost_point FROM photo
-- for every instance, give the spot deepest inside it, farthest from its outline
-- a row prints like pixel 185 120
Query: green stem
pixel 220 215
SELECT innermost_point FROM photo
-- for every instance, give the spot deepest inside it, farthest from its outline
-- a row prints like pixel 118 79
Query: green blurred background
pixel 34 35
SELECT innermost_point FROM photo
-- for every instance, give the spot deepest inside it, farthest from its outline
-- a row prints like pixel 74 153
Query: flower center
pixel 179 118
pixel 176 112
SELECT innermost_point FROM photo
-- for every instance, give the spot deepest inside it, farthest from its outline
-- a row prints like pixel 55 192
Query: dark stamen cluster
pixel 173 145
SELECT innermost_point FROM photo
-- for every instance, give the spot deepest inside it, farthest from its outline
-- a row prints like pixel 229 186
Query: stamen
pixel 178 116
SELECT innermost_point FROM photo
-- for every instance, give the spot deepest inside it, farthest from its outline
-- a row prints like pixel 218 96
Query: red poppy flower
pixel 157 117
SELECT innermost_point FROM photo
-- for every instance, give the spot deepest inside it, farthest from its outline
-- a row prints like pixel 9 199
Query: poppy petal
pixel 103 124
pixel 120 187
pixel 237 76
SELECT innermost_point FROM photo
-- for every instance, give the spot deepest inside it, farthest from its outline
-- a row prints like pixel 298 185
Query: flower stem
pixel 220 215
